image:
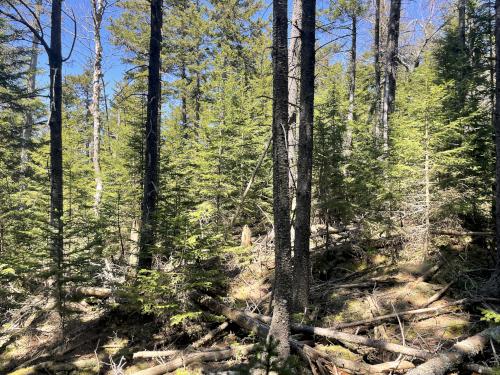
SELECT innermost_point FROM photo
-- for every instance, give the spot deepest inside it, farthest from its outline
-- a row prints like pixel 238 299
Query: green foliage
pixel 266 359
pixel 490 316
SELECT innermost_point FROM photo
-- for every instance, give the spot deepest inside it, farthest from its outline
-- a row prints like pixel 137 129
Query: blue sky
pixel 114 68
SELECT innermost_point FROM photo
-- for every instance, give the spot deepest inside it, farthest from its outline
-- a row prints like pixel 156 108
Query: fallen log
pixel 478 369
pixel 205 356
pixel 354 339
pixel 155 353
pixel 54 367
pixel 210 335
pixel 308 353
pixel 377 319
pixel 456 233
pixel 175 353
pixel 427 275
pixel 445 361
pixel 90 291
pixel 438 294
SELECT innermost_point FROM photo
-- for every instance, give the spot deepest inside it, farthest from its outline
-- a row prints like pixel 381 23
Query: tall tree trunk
pixel 493 285
pixel 151 155
pixel 56 165
pixel 98 7
pixel 390 70
pixel 305 160
pixel 184 114
pixel 378 73
pixel 352 88
pixel 293 102
pixel 427 187
pixel 462 5
pixel 280 325
pixel 31 85
pixel 197 101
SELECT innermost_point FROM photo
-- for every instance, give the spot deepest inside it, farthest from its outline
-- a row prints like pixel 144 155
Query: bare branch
pixel 73 18
pixel 20 19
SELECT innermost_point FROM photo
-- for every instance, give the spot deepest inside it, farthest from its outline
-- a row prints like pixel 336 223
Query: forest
pixel 249 187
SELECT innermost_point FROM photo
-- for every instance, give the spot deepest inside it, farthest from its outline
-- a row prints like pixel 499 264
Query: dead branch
pixel 445 361
pixel 205 356
pixel 438 294
pixel 89 291
pixel 455 233
pixel 308 353
pixel 210 335
pixel 435 310
pixel 354 339
pixel 55 367
pixel 427 275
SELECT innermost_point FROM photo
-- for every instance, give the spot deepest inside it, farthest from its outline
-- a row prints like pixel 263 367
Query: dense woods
pixel 292 187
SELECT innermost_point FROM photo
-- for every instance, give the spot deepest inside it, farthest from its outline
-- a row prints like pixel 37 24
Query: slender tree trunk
pixel 197 101
pixel 493 286
pixel 280 325
pixel 98 7
pixel 378 73
pixel 390 70
pixel 462 5
pixel 305 161
pixel 352 88
pixel 151 155
pixel 427 189
pixel 293 103
pixel 30 117
pixel 184 114
pixel 461 84
pixel 56 165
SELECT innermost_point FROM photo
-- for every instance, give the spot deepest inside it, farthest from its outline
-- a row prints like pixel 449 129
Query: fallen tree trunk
pixel 438 294
pixel 355 339
pixel 155 353
pixel 309 354
pixel 456 233
pixel 90 291
pixel 377 319
pixel 54 367
pixel 205 356
pixel 445 361
pixel 210 335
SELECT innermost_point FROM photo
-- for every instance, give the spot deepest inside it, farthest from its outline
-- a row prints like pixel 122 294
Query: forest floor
pixel 352 283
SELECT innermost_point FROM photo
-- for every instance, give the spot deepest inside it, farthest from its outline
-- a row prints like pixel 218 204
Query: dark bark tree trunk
pixel 280 325
pixel 493 285
pixel 56 165
pixel 293 95
pixel 461 23
pixel 197 101
pixel 151 155
pixel 378 73
pixel 390 70
pixel 352 87
pixel 98 7
pixel 184 97
pixel 305 160
pixel 31 85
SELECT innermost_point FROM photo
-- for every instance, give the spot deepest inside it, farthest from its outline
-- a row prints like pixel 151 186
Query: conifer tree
pixel 280 324
pixel 302 269
pixel 152 129
pixel 390 70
